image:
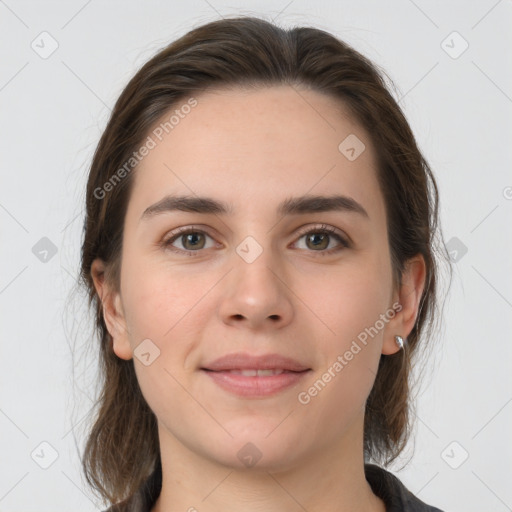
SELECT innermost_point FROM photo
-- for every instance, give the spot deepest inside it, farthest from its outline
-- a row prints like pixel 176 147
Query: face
pixel 271 276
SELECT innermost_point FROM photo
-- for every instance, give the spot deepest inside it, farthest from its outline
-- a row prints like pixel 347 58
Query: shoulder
pixel 393 493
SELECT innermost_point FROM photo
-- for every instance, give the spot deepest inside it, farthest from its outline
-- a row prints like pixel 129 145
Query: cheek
pixel 161 301
pixel 347 301
pixel 167 309
pixel 350 351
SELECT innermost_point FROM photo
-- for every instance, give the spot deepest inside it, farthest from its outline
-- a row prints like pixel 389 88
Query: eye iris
pixel 192 237
pixel 314 238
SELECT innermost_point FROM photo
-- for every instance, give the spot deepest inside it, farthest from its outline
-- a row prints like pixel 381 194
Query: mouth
pixel 255 376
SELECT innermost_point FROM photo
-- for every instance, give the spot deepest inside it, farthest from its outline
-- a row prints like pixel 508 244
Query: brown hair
pixel 122 448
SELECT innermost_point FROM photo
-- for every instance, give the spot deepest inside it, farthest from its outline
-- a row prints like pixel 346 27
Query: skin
pixel 254 149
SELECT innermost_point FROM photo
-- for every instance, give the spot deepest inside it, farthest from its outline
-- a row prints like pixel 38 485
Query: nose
pixel 257 295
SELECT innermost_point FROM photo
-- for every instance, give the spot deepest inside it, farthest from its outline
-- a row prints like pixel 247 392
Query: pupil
pixel 314 237
pixel 191 239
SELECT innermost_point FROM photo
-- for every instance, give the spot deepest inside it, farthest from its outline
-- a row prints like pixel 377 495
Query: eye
pixel 191 239
pixel 318 239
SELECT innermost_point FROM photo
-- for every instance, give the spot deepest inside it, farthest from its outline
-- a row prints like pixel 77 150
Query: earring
pixel 399 341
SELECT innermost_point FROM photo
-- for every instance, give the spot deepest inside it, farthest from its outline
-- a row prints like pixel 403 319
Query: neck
pixel 329 479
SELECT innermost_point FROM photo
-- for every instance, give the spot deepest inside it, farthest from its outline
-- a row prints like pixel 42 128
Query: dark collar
pixel 392 491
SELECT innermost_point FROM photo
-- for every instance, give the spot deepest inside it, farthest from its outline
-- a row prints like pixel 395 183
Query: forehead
pixel 254 147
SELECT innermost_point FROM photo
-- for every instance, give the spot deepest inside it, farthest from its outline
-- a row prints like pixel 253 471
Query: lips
pixel 244 362
pixel 255 376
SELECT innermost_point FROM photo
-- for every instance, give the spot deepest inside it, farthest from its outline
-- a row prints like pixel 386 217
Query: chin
pixel 256 445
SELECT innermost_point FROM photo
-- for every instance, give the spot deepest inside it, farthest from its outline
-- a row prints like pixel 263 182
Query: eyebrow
pixel 290 206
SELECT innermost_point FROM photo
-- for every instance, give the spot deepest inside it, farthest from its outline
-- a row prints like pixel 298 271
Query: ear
pixel 407 301
pixel 113 313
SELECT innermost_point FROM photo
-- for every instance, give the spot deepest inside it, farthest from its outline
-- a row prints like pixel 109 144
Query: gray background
pixel 53 111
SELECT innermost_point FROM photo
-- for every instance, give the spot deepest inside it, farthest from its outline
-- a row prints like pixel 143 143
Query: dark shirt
pixel 384 484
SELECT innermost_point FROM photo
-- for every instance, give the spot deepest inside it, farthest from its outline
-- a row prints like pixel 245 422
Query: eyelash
pixel 323 229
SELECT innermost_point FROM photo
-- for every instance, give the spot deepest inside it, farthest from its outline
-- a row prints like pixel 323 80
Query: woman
pixel 259 250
